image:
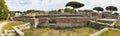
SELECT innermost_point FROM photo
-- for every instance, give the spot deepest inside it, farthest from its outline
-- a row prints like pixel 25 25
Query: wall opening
pixel 53 21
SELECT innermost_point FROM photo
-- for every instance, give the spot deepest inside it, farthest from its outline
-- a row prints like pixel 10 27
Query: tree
pixel 116 13
pixel 111 8
pixel 59 10
pixel 12 13
pixel 87 10
pixel 53 11
pixel 3 10
pixel 74 4
pixel 30 11
pixel 98 9
pixel 68 10
pixel 33 11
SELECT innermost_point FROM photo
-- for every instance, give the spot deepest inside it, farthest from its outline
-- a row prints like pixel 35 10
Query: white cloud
pixel 56 4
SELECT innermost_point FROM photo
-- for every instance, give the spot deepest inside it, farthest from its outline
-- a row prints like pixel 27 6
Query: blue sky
pixel 23 5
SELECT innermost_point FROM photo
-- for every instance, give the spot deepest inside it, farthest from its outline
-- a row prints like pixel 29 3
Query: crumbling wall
pixel 71 21
pixel 98 25
pixel 43 22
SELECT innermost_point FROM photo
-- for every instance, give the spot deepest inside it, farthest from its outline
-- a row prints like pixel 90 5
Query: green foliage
pixel 3 10
pixel 98 9
pixel 32 11
pixel 111 8
pixel 12 13
pixel 53 11
pixel 74 4
pixel 59 10
pixel 29 11
pixel 116 13
pixel 80 10
pixel 68 10
pixel 87 10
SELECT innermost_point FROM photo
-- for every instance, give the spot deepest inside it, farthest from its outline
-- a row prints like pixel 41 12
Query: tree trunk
pixel 111 11
pixel 74 11
pixel 98 11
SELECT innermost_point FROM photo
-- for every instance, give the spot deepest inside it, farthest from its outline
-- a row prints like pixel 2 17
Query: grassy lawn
pixel 110 32
pixel 85 31
pixel 9 25
pixel 118 22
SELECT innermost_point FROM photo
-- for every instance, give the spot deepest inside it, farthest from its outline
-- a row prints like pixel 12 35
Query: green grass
pixel 118 22
pixel 110 32
pixel 85 31
pixel 9 25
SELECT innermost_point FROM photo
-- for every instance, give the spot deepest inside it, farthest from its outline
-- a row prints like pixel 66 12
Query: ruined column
pixel 36 21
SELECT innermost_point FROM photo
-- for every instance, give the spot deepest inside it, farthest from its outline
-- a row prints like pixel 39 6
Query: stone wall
pixel 117 26
pixel 63 21
pixel 23 26
pixel 108 15
pixel 43 22
pixel 71 21
pixel 17 30
pixel 97 25
pixel 30 20
pixel 44 19
pixel 10 33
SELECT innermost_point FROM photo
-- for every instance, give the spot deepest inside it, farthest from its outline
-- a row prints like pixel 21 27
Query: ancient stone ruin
pixel 63 19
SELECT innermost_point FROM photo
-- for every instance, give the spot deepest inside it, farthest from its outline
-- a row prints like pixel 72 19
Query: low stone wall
pixel 43 19
pixel 17 30
pixel 117 26
pixel 24 26
pixel 42 22
pixel 1 34
pixel 10 33
pixel 63 21
pixel 98 25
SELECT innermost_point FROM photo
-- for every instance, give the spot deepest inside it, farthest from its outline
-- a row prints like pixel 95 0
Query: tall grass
pixel 85 31
pixel 110 32
pixel 118 22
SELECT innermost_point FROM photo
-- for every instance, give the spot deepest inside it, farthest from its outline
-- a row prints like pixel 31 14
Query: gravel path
pixel 1 25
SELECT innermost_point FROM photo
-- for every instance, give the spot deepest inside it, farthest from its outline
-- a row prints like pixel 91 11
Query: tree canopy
pixel 111 8
pixel 87 10
pixel 32 11
pixel 3 9
pixel 98 9
pixel 74 4
pixel 68 10
pixel 116 13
